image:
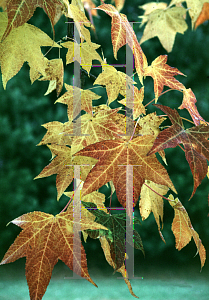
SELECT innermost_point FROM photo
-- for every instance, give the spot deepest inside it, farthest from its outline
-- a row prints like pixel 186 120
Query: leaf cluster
pixel 99 145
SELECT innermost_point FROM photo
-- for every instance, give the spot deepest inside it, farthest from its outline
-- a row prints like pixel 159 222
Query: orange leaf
pixel 122 33
pixel 45 239
pixel 189 101
pixel 114 156
pixel 20 11
pixel 204 15
pixel 195 141
pixel 162 74
pixel 183 229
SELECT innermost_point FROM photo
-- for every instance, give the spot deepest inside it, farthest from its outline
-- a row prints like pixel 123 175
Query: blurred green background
pixel 24 108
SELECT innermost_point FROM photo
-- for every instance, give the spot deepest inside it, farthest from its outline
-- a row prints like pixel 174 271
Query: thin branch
pixel 158 97
pixel 158 193
pixel 70 199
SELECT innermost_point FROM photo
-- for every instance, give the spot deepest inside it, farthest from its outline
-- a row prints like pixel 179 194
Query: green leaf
pixel 115 235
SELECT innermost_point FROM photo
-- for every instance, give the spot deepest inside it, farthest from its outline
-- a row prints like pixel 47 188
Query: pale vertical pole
pixel 129 88
pixel 76 83
pixel 129 222
pixel 76 225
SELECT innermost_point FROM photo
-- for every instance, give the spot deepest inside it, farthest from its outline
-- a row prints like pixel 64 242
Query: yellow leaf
pixel 23 44
pixel 194 8
pixel 183 230
pixel 165 23
pixel 74 107
pixel 152 202
pixel 87 54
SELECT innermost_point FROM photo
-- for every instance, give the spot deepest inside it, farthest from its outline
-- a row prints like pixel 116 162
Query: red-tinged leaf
pixel 183 230
pixel 163 74
pixel 189 101
pixel 45 239
pixel 195 141
pixel 204 15
pixel 122 33
pixel 20 11
pixel 114 156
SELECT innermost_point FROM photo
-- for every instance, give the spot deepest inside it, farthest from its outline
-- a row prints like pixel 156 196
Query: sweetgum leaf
pixel 45 239
pixel 195 141
pixel 115 235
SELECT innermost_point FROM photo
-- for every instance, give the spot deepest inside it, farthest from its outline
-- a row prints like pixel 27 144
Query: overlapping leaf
pixel 189 101
pixel 165 24
pixel 94 129
pixel 183 229
pixel 85 98
pixel 23 44
pixel 152 202
pixel 204 15
pixel 195 141
pixel 44 240
pixel 63 165
pixel 87 53
pixel 194 8
pixel 106 248
pixel 114 157
pixel 115 81
pixel 20 11
pixel 163 74
pixel 116 233
pixel 122 33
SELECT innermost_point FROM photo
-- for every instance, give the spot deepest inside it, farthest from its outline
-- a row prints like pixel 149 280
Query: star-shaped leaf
pixel 163 74
pixel 44 240
pixel 23 44
pixel 122 33
pixel 116 234
pixel 94 129
pixel 115 81
pixel 136 101
pixel 87 54
pixel 195 141
pixel 114 157
pixel 164 23
pixel 63 165
pixel 86 97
